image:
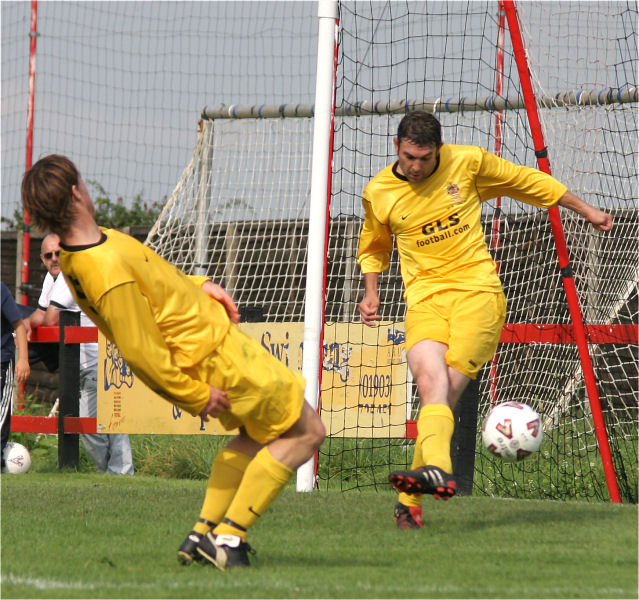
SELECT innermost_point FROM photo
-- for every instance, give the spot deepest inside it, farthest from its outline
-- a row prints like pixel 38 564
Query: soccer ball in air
pixel 512 431
pixel 16 458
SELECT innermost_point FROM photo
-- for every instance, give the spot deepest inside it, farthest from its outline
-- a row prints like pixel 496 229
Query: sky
pixel 120 86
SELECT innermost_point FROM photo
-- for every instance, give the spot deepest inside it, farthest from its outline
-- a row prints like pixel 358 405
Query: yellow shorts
pixel 469 323
pixel 266 397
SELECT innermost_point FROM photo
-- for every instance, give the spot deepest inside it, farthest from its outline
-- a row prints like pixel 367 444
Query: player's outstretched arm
pixel 217 292
pixel 600 220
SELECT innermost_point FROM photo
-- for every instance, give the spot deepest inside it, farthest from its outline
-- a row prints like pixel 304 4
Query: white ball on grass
pixel 16 458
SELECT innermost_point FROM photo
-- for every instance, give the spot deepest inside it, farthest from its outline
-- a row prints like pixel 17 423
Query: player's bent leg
pixel 435 423
pixel 265 477
pixel 227 471
pixel 301 441
pixel 263 481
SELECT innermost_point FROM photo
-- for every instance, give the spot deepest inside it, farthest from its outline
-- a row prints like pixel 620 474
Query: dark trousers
pixel 6 396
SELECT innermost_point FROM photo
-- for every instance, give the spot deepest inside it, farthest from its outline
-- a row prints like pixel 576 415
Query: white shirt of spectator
pixel 61 297
pixel 45 294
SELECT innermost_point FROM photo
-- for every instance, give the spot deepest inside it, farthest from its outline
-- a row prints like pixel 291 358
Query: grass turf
pixel 80 535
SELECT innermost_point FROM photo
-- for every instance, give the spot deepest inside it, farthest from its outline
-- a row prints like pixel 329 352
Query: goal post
pixel 318 233
pixel 253 191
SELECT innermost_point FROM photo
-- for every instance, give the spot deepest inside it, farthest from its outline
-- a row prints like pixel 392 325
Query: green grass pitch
pixel 81 535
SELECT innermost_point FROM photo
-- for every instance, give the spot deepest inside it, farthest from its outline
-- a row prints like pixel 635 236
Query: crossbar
pixel 492 103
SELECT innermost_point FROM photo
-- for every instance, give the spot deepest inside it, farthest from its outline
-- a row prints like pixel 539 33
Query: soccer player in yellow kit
pixel 429 200
pixel 179 335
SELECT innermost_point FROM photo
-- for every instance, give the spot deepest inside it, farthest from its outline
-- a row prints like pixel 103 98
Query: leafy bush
pixel 108 213
pixel 115 215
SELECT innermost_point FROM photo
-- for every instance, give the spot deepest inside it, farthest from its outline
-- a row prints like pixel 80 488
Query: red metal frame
pixel 30 424
pixel 562 254
pixel 549 333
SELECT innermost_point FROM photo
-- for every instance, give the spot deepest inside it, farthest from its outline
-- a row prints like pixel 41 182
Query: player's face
pixel 416 163
pixel 50 254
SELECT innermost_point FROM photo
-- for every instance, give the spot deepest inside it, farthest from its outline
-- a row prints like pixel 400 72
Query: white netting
pixel 447 51
pixel 241 215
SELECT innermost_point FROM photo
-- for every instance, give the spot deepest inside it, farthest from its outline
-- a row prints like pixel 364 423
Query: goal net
pixel 240 214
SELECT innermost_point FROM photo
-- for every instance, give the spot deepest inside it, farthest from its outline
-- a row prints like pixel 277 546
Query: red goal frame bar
pixel 554 333
pixel 541 152
pixel 550 333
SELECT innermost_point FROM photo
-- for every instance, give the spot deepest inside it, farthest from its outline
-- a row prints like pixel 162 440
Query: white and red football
pixel 513 431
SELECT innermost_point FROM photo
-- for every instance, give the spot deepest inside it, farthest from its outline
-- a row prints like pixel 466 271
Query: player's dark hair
pixel 47 193
pixel 421 128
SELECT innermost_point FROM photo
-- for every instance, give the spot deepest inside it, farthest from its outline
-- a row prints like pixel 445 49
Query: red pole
pixel 495 238
pixel 562 254
pixel 26 232
pixel 26 238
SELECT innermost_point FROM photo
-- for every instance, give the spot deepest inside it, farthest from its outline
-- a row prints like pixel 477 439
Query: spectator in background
pixel 111 453
pixel 50 256
pixel 11 322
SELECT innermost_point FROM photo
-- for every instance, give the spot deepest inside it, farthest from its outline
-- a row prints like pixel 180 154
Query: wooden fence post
pixel 68 443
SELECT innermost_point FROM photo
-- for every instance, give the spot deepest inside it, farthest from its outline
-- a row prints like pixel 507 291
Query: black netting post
pixel 68 443
pixel 464 438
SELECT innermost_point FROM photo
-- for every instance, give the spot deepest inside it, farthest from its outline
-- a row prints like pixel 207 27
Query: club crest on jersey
pixel 453 192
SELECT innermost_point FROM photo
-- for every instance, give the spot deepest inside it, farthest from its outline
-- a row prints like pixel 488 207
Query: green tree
pixel 115 214
pixel 108 213
pixel 14 224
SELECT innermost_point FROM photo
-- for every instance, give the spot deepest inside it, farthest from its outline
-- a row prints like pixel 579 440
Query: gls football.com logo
pixel 440 230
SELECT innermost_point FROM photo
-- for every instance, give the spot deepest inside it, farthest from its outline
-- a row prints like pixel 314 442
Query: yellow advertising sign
pixel 363 383
pixel 364 380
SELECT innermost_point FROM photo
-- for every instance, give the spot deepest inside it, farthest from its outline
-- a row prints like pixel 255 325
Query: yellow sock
pixel 413 499
pixel 264 479
pixel 226 474
pixel 435 426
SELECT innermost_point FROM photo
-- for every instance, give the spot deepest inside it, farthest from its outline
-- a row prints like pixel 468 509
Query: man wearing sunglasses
pixel 50 256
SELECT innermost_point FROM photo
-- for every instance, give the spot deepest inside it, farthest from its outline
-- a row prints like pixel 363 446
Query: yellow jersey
pixel 159 318
pixel 436 222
